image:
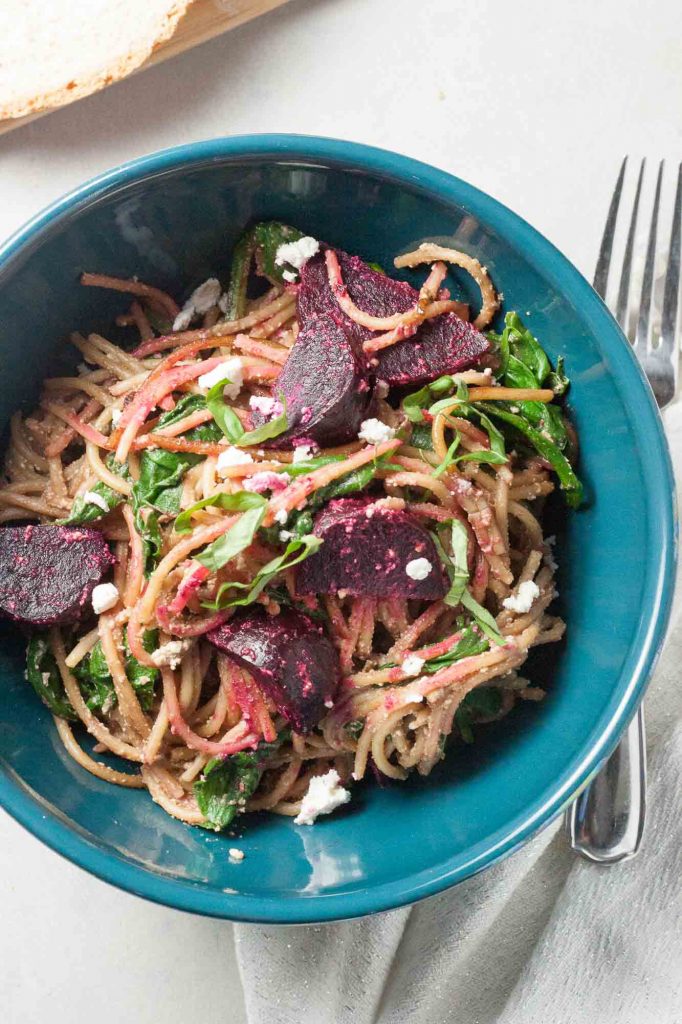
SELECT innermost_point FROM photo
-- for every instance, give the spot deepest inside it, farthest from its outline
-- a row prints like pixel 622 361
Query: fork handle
pixel 606 822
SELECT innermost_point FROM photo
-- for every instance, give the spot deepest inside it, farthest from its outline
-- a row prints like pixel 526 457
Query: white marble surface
pixel 534 102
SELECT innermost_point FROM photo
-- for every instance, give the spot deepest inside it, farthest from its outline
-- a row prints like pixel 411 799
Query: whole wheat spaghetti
pixel 188 451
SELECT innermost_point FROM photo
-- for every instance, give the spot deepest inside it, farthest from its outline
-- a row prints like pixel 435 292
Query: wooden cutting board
pixel 204 20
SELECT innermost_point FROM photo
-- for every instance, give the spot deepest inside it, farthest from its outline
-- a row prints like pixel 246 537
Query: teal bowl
pixel 172 218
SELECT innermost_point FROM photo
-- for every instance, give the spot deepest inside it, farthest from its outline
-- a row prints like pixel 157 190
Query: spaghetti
pixel 203 523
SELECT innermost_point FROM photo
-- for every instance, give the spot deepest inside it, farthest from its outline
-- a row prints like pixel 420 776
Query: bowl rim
pixel 31 811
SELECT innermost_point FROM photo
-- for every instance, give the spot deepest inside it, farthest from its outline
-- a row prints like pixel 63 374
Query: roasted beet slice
pixel 324 383
pixel 445 344
pixel 291 659
pixel 367 550
pixel 48 573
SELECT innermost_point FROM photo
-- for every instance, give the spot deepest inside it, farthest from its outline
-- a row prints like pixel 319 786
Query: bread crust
pixel 76 87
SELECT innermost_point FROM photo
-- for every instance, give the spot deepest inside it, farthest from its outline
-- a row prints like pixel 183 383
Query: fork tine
pixel 624 288
pixel 672 277
pixel 601 274
pixel 642 333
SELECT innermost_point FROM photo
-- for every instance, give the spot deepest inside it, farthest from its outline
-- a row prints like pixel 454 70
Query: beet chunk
pixel 48 573
pixel 444 344
pixel 324 384
pixel 291 659
pixel 366 551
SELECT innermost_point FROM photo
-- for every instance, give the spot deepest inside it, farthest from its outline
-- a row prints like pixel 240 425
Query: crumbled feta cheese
pixel 374 431
pixel 285 536
pixel 522 601
pixel 281 516
pixel 289 275
pixel 232 457
pixel 171 653
pixel 303 453
pixel 324 796
pixel 267 406
pixel 104 597
pixel 418 568
pixel 297 253
pixel 93 498
pixel 266 481
pixel 231 371
pixel 200 301
pixel 412 665
pixel 236 854
pixel 116 417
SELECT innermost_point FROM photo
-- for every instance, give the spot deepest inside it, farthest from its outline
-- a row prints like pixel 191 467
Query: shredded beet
pixel 444 344
pixel 291 659
pixel 48 573
pixel 324 384
pixel 366 552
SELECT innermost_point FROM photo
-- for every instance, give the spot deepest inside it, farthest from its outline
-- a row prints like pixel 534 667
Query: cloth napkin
pixel 542 937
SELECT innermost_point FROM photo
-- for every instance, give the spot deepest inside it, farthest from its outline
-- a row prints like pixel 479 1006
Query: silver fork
pixel 606 822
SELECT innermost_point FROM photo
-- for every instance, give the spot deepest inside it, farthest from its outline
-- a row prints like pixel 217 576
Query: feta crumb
pixel 289 275
pixel 93 498
pixel 522 601
pixel 297 253
pixel 267 406
pixel 171 653
pixel 514 408
pixel 232 457
pixel 324 796
pixel 412 665
pixel 267 481
pixel 235 854
pixel 418 568
pixel 104 597
pixel 200 301
pixel 281 516
pixel 231 371
pixel 302 453
pixel 116 417
pixel 285 536
pixel 374 431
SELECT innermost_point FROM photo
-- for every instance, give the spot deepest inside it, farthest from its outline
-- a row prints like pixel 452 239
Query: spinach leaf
pixel 518 344
pixel 271 428
pixel 226 783
pixel 483 701
pixel 239 502
pixel 469 644
pixel 413 404
pixel 97 686
pixel 545 447
pixel 262 241
pixel 449 456
pixel 421 437
pixel 296 550
pixel 238 537
pixel 159 487
pixel 43 675
pixel 83 511
pixel 223 415
pixel 229 423
pixel 456 566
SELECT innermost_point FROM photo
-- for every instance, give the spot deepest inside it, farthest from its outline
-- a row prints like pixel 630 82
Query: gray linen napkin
pixel 542 938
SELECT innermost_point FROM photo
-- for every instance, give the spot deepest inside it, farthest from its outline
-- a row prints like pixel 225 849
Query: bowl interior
pixel 176 226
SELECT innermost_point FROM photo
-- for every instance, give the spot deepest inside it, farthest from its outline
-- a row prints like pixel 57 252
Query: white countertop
pixel 534 102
